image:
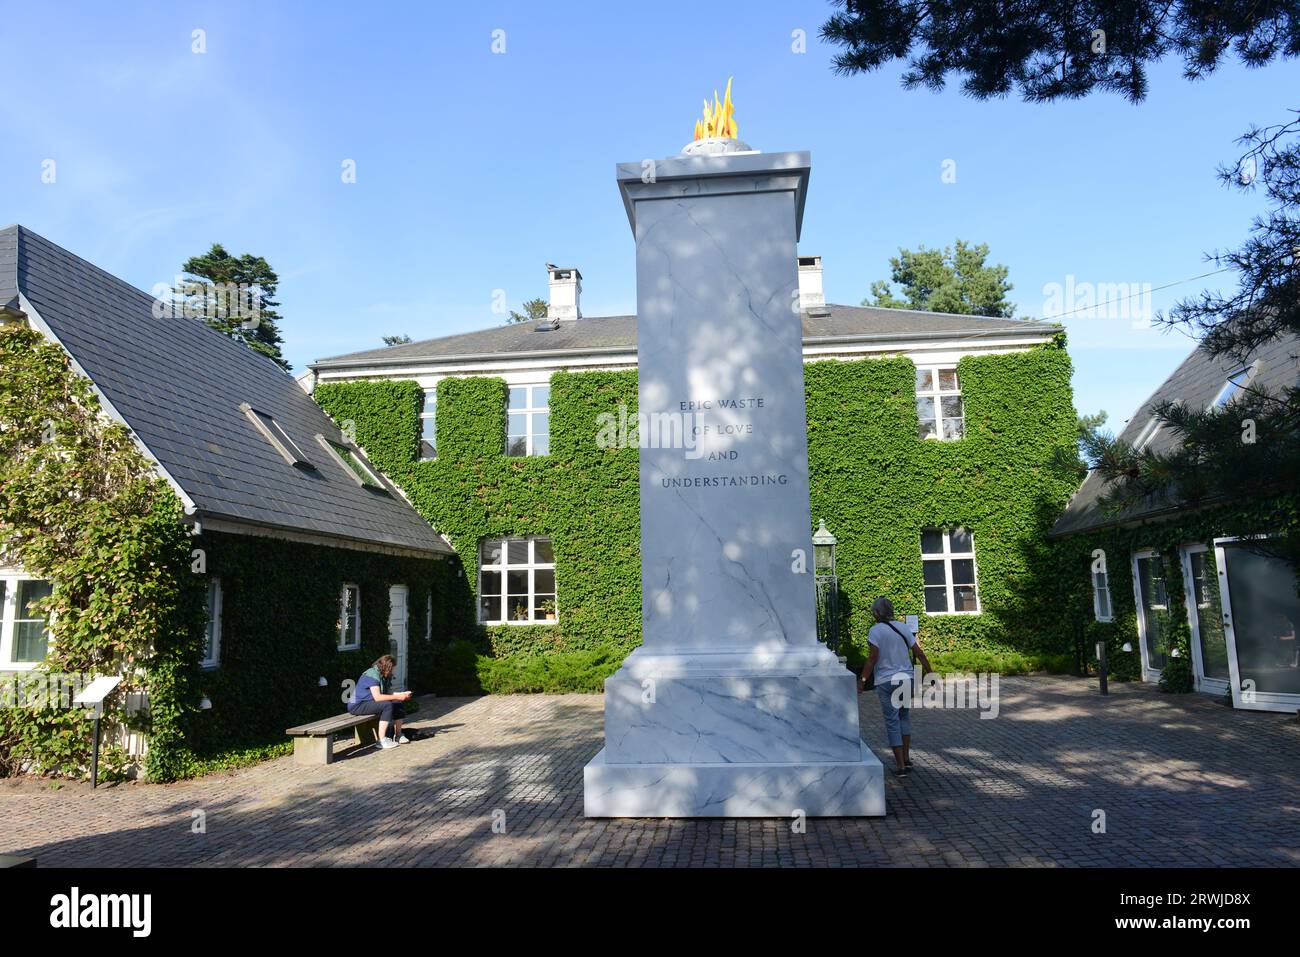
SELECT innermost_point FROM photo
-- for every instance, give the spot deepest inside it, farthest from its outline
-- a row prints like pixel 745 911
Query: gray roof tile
pixel 619 333
pixel 179 386
pixel 1197 382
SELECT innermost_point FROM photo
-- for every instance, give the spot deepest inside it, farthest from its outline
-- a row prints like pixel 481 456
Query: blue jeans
pixel 898 721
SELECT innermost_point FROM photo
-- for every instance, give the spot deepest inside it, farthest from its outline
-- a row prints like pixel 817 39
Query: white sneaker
pixel 387 743
pixel 403 740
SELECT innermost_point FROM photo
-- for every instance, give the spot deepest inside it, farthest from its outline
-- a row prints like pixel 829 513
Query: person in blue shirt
pixel 373 695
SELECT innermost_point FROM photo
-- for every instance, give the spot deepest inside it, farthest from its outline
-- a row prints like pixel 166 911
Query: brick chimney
pixel 566 293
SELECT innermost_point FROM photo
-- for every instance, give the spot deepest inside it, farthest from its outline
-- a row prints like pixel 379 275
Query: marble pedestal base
pixel 733 734
pixel 841 789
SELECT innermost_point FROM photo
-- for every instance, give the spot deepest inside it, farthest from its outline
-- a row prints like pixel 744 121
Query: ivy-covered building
pixel 935 446
pixel 308 560
pixel 1173 590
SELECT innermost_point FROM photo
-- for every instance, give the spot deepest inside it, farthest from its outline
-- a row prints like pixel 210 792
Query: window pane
pixel 489 608
pixel 952 408
pixel 518 398
pixel 517 446
pixel 489 583
pixel 1209 616
pixel 517 583
pixel 928 429
pixel 518 551
pixel 518 424
pixel 430 401
pixel 541 396
pixel 924 380
pixel 541 424
pixel 961 540
pixel 428 438
pixel 925 407
pixel 934 573
pixel 543 605
pixel 953 428
pixel 31 591
pixel 29 641
pixel 518 607
pixel 541 444
pixel 964 596
pixel 542 550
pixel 963 571
pixel 936 599
pixel 932 542
pixel 489 552
pixel 948 380
pixel 544 581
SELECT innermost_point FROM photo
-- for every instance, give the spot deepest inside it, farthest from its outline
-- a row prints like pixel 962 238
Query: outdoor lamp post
pixel 828 587
pixel 823 549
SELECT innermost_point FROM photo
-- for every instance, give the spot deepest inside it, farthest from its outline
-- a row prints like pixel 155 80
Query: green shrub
pixel 1176 677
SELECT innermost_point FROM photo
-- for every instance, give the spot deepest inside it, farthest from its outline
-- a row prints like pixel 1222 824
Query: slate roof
pixel 179 386
pixel 1197 382
pixel 618 334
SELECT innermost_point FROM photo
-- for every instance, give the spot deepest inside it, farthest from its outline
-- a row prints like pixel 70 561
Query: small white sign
pixel 95 692
pixel 914 623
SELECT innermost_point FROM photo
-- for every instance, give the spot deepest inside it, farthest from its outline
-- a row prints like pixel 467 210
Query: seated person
pixel 373 695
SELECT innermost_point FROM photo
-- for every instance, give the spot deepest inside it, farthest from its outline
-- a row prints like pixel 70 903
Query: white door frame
pixel 1263 700
pixel 399 646
pixel 1208 685
pixel 1148 673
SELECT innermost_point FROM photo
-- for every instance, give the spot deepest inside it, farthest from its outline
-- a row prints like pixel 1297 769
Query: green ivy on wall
pixel 873 479
pixel 280 633
pixel 83 509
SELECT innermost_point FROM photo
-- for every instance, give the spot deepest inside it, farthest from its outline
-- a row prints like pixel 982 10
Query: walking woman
pixel 373 695
pixel 892 646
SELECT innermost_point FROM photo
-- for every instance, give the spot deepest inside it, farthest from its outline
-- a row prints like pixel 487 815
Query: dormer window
pixel 1149 432
pixel 277 436
pixel 1236 382
pixel 354 463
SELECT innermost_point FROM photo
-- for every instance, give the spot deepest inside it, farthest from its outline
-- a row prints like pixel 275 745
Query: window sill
pixel 517 624
pixel 349 647
pixel 953 614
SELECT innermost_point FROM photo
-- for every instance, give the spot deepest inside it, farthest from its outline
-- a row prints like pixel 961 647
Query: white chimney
pixel 811 295
pixel 566 293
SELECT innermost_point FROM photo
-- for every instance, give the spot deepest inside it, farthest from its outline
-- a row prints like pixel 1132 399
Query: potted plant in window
pixel 547 608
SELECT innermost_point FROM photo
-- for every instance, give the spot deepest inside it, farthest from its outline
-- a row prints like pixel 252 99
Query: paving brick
pixel 1183 781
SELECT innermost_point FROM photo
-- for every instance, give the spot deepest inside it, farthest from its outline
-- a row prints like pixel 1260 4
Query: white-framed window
pixel 429 426
pixel 277 436
pixel 1101 606
pixel 516 581
pixel 1236 382
pixel 528 427
pixel 212 637
pixel 350 459
pixel 24 630
pixel 939 410
pixel 349 618
pixel 1149 432
pixel 948 564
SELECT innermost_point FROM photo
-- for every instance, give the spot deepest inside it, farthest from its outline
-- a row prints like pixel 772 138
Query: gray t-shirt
pixel 894 651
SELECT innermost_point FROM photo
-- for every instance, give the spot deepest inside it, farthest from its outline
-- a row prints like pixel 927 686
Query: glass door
pixel 1205 617
pixel 1262 611
pixel 1153 611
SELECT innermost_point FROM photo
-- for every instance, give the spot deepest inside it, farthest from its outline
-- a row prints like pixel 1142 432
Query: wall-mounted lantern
pixel 823 549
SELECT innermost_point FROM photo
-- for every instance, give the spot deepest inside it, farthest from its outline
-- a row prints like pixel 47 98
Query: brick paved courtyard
pixel 1183 781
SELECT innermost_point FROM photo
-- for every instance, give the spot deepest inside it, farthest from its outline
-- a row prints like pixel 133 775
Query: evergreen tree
pixel 236 296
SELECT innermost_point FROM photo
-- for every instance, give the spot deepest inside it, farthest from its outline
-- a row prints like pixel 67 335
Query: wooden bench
pixel 314 743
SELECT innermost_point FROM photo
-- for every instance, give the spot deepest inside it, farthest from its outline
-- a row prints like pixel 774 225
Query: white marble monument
pixel 731 707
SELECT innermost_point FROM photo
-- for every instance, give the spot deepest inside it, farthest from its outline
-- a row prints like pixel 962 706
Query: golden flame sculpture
pixel 718 120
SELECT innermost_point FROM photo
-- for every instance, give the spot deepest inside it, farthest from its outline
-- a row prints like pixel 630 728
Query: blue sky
pixel 474 168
